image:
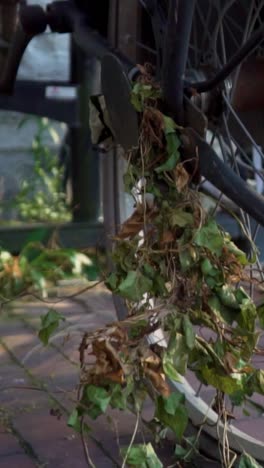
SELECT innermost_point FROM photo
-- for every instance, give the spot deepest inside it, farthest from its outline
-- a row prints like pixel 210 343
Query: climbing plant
pixel 176 270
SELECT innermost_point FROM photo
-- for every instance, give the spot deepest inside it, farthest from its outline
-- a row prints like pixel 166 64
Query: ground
pixel 38 388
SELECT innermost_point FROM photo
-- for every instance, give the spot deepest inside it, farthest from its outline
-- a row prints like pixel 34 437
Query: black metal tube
pixel 19 43
pixel 94 45
pixel 227 181
pixel 176 47
pixel 236 60
pixel 65 16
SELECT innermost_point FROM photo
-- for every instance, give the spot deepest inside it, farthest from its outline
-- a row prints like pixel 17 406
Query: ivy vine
pixel 176 270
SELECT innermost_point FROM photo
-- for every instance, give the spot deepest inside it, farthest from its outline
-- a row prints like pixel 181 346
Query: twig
pixel 132 441
pixel 85 447
pixel 71 296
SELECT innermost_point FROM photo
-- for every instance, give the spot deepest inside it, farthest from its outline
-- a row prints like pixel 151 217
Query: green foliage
pixel 210 237
pixel 49 323
pixel 42 198
pixel 187 451
pixel 74 421
pixel 142 93
pixel 246 461
pixel 173 144
pixel 141 456
pixel 190 267
pixel 134 286
pixel 37 267
pixel 96 400
pixel 189 333
pixel 173 413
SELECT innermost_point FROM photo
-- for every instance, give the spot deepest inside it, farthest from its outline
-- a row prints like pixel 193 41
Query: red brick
pixel 17 461
pixel 9 445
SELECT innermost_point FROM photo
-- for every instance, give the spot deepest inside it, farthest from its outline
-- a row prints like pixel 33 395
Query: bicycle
pixel 198 87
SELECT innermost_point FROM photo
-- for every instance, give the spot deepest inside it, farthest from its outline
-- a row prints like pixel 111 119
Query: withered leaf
pixel 230 362
pixel 167 237
pixel 158 381
pixel 132 226
pixel 181 177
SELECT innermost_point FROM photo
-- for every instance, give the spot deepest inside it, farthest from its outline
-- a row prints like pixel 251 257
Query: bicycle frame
pixel 67 17
pixel 176 48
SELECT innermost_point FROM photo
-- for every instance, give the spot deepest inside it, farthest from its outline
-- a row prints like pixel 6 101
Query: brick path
pixel 29 435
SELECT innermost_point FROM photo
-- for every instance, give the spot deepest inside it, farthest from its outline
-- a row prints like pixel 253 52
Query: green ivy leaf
pixel 227 296
pixel 178 352
pixel 169 125
pixel 260 313
pixel 118 398
pixel 140 93
pixel 98 396
pixel 39 280
pixel 188 332
pixel 186 259
pixel 169 368
pixel 136 329
pixel 237 398
pixel 248 314
pixel 225 383
pixel 74 421
pixel 232 248
pixel 213 275
pixel 170 164
pixel 112 282
pixel 189 450
pixel 224 313
pixel 260 380
pixel 173 144
pixel 159 285
pixel 32 251
pixel 181 452
pixel 173 402
pixel 246 461
pixel 134 286
pixel 181 218
pixel 173 413
pixel 49 323
pixel 141 456
pixel 210 237
pixel 149 270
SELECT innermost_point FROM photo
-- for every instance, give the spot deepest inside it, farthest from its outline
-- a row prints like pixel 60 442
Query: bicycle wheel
pixel 235 132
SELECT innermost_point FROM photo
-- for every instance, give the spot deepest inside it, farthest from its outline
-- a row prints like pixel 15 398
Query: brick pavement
pixel 29 435
pixel 47 379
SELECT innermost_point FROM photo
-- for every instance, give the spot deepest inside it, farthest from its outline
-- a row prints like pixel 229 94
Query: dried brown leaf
pixel 158 381
pixel 230 362
pixel 167 237
pixel 181 177
pixel 132 226
pixel 117 376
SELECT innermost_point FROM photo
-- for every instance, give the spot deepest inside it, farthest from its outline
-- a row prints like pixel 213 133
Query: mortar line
pixel 63 408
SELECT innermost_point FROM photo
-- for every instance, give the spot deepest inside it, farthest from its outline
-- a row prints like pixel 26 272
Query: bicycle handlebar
pixel 23 34
pixel 61 17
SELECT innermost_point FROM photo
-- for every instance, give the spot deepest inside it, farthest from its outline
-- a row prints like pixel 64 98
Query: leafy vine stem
pixel 178 272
